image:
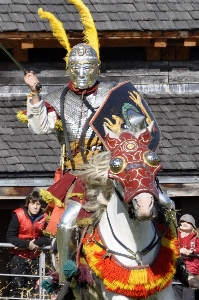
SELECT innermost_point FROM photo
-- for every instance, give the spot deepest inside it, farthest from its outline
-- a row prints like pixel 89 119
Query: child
pixel 189 245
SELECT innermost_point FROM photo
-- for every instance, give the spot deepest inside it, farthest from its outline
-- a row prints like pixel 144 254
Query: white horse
pixel 134 235
pixel 131 247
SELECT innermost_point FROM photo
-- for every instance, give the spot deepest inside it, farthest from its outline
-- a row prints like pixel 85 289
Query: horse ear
pixel 145 136
pixel 112 139
pixel 111 143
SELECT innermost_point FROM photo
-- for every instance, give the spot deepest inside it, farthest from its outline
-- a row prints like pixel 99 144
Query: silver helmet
pixel 83 66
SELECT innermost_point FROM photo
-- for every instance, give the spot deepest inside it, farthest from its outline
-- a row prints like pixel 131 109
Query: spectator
pixel 189 245
pixel 25 233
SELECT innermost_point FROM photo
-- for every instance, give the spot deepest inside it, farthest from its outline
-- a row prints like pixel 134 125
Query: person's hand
pixel 32 246
pixel 185 251
pixel 31 80
pixel 18 248
pixel 53 296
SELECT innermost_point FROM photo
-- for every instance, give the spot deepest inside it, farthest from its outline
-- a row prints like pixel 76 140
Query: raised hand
pixel 32 81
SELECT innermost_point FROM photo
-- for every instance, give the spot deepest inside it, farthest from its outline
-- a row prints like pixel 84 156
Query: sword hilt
pixel 38 86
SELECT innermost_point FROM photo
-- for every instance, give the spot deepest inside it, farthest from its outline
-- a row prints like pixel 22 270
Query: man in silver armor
pixel 83 70
pixel 83 97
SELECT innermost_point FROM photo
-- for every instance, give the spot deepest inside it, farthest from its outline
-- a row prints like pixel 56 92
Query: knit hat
pixel 188 218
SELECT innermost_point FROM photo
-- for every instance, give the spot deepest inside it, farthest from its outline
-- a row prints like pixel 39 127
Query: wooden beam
pixel 27 45
pixel 190 42
pixel 105 35
pixel 117 42
pixel 14 192
pixel 182 53
pixel 12 198
pixel 21 55
pixel 160 43
pixel 168 53
pixel 153 53
pixel 37 43
pixel 54 43
pixel 181 190
pixel 49 43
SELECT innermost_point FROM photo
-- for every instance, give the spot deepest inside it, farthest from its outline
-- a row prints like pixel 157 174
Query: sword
pixel 38 85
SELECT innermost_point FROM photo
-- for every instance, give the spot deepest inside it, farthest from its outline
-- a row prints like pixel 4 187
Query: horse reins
pixel 147 249
pixel 137 256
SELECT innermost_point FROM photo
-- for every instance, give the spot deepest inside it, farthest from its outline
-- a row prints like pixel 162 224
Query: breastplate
pixel 75 111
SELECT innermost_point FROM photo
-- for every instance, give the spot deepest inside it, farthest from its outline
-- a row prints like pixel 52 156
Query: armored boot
pixel 67 236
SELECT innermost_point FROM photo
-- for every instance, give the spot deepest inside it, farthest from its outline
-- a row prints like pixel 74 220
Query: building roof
pixel 22 152
pixel 25 154
pixel 177 116
pixel 113 15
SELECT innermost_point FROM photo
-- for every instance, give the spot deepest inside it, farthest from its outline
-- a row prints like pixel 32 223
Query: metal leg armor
pixel 66 235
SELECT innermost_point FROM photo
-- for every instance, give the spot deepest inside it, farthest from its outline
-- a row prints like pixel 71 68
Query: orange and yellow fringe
pixel 136 283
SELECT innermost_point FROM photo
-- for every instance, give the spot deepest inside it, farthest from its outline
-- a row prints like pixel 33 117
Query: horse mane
pixel 99 187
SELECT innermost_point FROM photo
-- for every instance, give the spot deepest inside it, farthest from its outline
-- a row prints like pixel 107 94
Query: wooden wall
pixel 188 205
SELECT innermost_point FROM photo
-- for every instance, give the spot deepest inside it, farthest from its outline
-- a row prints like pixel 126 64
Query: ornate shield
pixel 125 110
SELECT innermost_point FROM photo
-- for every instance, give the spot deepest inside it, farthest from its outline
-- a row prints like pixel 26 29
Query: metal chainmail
pixel 75 112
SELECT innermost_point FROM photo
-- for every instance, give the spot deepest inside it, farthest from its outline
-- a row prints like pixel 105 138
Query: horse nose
pixel 139 201
pixel 143 204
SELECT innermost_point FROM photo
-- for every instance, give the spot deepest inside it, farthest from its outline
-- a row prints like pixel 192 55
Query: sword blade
pixel 38 85
pixel 13 59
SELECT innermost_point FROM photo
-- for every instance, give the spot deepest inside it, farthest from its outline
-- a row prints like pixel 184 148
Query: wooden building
pixel 154 44
pixel 166 29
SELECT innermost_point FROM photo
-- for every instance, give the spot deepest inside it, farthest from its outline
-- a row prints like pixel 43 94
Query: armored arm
pixel 40 121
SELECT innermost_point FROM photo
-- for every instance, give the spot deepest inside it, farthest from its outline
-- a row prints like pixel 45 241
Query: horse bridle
pixel 137 256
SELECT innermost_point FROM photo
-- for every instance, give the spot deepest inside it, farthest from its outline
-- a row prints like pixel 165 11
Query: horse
pixel 130 247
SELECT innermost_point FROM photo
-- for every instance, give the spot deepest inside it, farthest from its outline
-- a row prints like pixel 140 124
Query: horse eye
pixel 151 159
pixel 117 165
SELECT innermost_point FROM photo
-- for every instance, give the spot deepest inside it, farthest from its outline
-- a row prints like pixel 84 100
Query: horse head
pixel 135 167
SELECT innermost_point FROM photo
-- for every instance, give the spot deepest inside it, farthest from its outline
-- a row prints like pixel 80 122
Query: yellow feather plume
pixel 57 29
pixel 90 32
